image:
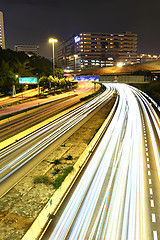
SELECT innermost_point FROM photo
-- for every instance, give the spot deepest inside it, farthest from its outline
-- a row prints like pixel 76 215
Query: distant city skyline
pixel 33 22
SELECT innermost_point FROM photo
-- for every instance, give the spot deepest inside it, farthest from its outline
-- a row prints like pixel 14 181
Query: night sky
pixel 34 21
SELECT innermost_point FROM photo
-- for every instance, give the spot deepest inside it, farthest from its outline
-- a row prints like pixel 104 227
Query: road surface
pixel 118 196
pixel 18 154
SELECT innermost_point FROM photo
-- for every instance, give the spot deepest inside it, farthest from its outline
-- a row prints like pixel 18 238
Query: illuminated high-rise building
pixel 2 38
pixel 87 50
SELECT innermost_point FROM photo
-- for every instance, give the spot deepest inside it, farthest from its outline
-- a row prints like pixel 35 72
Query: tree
pixel 6 82
pixel 44 83
pixel 23 69
pixel 59 73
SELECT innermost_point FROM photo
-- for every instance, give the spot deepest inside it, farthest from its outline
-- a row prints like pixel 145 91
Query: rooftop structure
pixel 28 49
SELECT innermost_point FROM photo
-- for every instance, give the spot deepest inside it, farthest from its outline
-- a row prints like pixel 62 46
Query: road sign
pixel 86 78
pixel 28 80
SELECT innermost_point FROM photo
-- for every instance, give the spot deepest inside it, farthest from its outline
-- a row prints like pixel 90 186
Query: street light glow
pixel 120 64
pixel 53 40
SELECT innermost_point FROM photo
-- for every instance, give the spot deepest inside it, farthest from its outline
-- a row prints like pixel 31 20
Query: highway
pixel 23 151
pixel 46 109
pixel 118 196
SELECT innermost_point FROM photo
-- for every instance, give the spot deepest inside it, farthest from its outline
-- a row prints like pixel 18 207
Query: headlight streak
pixel 56 123
pixel 119 158
pixel 156 123
pixel 51 137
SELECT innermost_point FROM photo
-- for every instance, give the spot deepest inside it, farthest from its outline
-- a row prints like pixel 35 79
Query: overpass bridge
pixel 132 73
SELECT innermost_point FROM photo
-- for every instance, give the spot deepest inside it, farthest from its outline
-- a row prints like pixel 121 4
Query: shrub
pixel 102 89
pixel 69 157
pixel 56 162
pixel 57 182
pixel 56 170
pixel 63 145
pixel 41 179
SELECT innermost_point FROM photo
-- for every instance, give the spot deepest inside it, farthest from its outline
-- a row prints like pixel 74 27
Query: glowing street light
pixel 53 40
pixel 120 64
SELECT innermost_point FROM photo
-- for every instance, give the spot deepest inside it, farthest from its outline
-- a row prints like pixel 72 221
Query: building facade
pixel 2 38
pixel 87 50
pixel 28 49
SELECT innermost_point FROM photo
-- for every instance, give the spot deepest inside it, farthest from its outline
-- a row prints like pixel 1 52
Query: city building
pixel 147 57
pixel 28 49
pixel 2 38
pixel 87 50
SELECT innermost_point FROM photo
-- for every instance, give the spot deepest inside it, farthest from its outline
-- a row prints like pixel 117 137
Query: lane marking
pixel 153 217
pixel 152 203
pixel 151 191
pixel 155 236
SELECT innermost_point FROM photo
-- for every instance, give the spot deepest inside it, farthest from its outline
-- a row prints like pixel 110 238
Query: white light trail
pixel 108 202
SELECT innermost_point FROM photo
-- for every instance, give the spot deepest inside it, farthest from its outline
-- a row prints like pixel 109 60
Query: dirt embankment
pixel 22 204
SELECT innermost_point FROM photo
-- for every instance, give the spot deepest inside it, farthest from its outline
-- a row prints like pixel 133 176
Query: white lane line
pixel 153 217
pixel 155 236
pixel 148 165
pixel 152 203
pixel 151 191
pixel 150 181
pixel 147 154
pixel 147 159
pixel 146 145
pixel 149 173
pixel 146 149
pixel 145 141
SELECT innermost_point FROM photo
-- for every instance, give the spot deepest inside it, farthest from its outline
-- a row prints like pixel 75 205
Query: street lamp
pixel 75 56
pixel 119 64
pixel 53 40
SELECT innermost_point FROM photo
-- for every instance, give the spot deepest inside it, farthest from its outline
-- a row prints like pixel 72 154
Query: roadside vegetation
pixel 18 64
pixel 58 180
pixel 151 88
pixel 100 90
pixel 59 173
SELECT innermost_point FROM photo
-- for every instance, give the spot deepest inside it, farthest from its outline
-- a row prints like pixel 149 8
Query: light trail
pixel 19 153
pixel 109 201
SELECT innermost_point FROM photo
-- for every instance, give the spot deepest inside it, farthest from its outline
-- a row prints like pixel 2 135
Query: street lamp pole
pixel 75 57
pixel 53 40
